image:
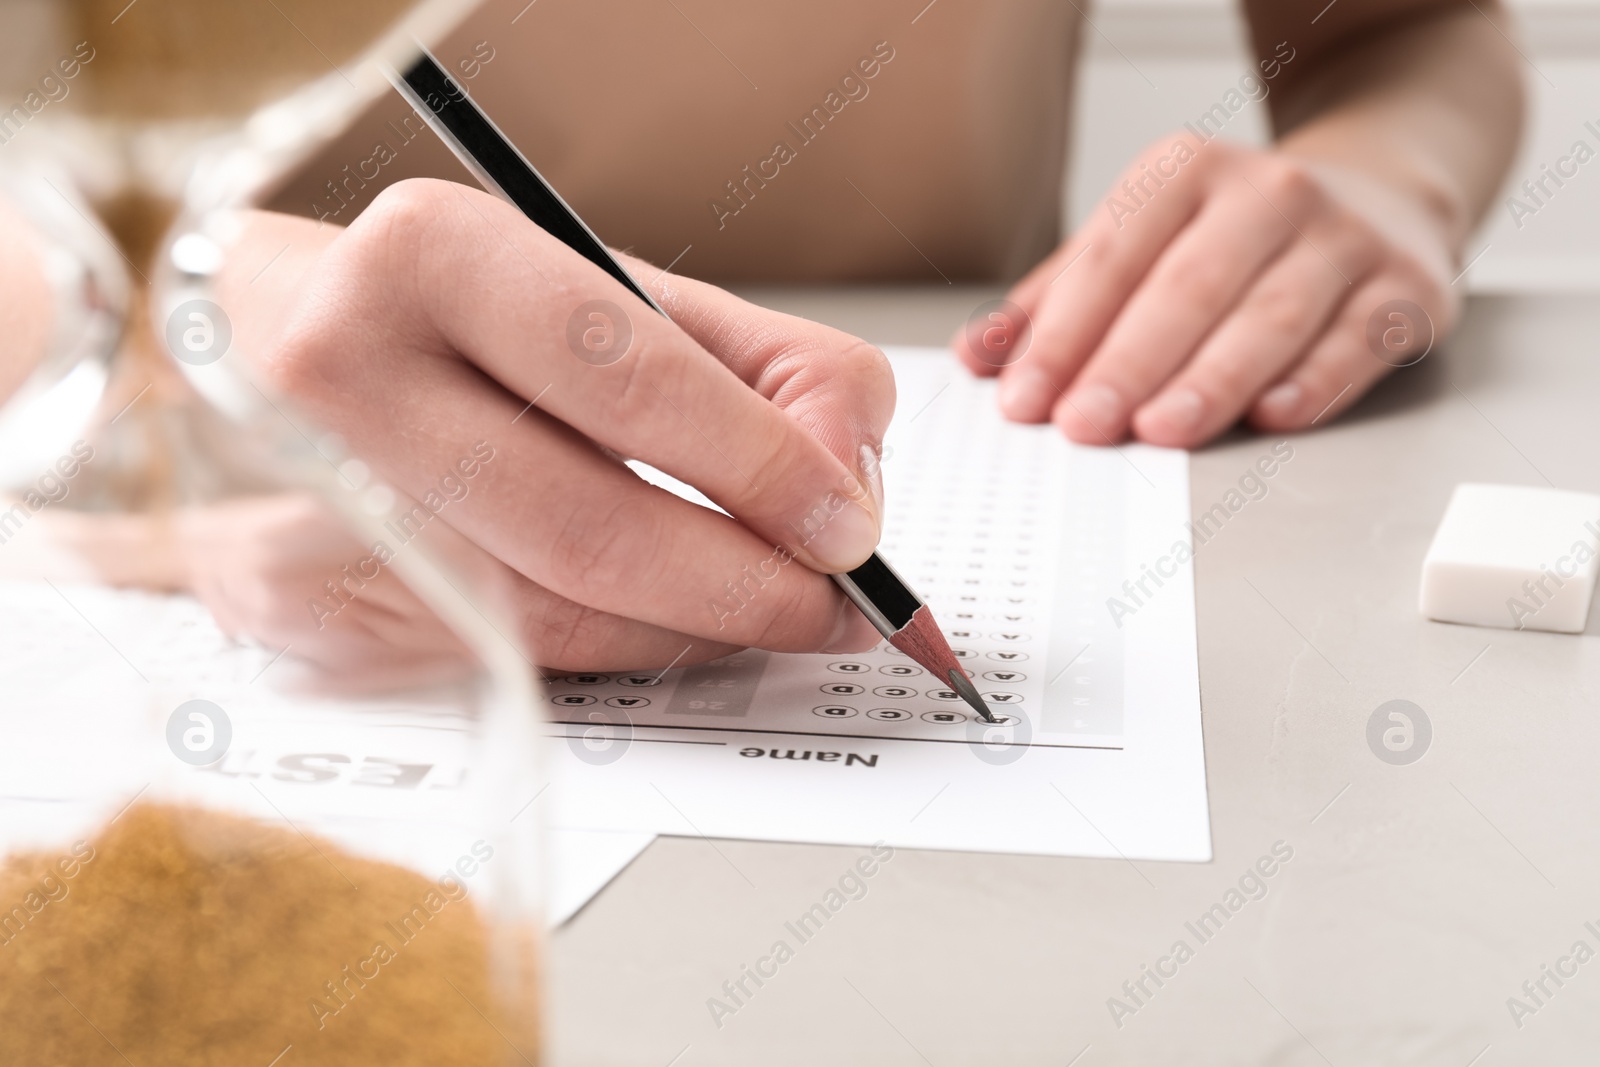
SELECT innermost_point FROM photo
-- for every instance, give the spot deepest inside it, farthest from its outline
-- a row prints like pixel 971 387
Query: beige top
pixel 834 140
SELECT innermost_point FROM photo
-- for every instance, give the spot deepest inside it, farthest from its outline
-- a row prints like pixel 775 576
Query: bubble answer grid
pixel 972 516
pixel 1017 540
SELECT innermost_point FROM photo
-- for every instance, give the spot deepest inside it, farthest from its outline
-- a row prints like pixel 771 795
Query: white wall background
pixel 1151 65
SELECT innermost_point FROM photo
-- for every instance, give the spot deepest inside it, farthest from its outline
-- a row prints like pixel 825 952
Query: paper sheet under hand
pixel 1022 543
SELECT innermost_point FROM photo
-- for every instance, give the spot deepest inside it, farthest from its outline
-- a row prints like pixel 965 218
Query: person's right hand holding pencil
pixel 441 318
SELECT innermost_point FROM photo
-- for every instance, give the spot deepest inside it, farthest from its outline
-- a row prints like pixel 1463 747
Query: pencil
pixel 881 594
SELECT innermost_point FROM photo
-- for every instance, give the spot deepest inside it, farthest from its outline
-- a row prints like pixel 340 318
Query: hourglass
pixel 268 770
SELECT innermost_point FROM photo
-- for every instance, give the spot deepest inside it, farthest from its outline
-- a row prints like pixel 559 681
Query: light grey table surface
pixel 1419 897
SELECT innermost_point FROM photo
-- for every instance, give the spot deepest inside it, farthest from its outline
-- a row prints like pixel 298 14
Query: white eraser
pixel 1513 556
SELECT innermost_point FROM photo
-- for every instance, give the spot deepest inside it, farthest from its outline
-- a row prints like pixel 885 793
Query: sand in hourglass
pixel 192 939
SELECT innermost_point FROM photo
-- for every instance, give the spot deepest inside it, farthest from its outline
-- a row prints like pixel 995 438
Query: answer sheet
pixel 1060 574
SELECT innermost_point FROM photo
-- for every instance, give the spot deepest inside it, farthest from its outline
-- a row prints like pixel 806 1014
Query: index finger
pixel 484 280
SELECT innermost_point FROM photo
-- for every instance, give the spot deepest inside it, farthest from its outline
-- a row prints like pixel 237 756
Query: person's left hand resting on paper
pixel 441 318
pixel 1241 288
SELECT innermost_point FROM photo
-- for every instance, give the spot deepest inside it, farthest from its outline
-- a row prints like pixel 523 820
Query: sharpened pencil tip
pixel 963 685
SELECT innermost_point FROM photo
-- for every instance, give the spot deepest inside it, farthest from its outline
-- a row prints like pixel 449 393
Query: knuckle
pixel 1204 285
pixel 636 401
pixel 1213 163
pixel 303 364
pixel 356 294
pixel 863 362
pixel 1344 361
pixel 1098 257
pixel 1289 186
pixel 403 211
pixel 564 635
pixel 602 550
pixel 1281 310
pixel 1226 379
pixel 1111 257
pixel 825 412
pixel 408 224
pixel 853 373
pixel 800 616
pixel 1219 153
pixel 828 355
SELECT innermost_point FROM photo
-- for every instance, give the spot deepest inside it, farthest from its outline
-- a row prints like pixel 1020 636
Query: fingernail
pixel 1282 400
pixel 844 538
pixel 1025 393
pixel 1099 406
pixel 872 473
pixel 852 633
pixel 1178 410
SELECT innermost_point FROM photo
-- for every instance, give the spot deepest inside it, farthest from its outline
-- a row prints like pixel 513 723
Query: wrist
pixel 1417 216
